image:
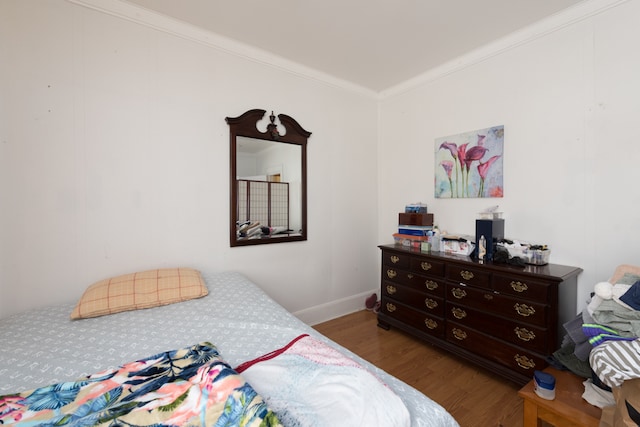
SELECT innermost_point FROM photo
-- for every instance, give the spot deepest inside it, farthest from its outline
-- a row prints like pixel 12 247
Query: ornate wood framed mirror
pixel 268 180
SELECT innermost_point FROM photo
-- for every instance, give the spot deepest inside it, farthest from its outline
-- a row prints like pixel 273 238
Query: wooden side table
pixel 568 409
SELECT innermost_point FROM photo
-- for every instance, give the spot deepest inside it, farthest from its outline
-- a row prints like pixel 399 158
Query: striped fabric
pixel 616 361
pixel 135 291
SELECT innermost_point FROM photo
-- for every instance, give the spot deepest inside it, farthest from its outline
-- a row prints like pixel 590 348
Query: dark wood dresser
pixel 504 318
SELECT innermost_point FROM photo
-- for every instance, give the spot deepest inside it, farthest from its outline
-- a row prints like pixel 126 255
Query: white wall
pixel 114 158
pixel 114 152
pixel 569 101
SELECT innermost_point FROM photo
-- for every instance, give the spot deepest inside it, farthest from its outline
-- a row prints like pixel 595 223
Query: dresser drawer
pixel 516 358
pixel 523 335
pixel 413 298
pixel 522 287
pixel 427 284
pixel 421 321
pixel 502 305
pixel 395 259
pixel 468 275
pixel 427 266
pixel 416 281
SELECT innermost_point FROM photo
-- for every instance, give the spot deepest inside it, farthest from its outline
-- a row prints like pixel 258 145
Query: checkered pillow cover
pixel 140 290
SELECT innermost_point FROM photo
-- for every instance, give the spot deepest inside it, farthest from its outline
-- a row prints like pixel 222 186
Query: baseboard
pixel 331 310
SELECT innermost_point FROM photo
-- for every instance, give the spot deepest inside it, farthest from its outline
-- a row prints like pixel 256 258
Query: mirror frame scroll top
pixel 245 126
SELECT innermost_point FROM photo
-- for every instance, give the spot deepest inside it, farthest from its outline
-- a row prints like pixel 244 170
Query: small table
pixel 568 409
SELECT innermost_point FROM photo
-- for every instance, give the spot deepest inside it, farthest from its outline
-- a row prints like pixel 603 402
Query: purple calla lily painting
pixel 469 165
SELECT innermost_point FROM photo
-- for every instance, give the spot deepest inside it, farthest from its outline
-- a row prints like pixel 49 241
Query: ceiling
pixel 375 44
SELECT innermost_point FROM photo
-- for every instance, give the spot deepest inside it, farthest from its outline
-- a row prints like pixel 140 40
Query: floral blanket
pixel 185 387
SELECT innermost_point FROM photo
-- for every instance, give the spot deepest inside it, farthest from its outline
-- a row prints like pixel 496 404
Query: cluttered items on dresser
pixel 516 252
pixel 417 229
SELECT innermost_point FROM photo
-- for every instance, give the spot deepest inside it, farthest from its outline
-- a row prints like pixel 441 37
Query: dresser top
pixel 552 271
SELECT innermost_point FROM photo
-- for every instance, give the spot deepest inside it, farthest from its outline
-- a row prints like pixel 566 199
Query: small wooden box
pixel 415 219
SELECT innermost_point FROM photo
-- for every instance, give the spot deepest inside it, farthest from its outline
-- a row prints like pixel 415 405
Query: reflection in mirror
pixel 268 180
pixel 273 169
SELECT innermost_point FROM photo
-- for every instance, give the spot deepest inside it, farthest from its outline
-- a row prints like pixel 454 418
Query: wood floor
pixel 472 395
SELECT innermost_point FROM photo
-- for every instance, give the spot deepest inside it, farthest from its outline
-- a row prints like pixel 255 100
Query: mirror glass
pixel 268 180
pixel 267 167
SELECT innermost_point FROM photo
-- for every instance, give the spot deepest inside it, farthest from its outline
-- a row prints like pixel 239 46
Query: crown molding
pixel 146 17
pixel 553 23
pixel 160 22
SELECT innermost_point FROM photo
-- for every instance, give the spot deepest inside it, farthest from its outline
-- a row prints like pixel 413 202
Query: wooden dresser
pixel 507 319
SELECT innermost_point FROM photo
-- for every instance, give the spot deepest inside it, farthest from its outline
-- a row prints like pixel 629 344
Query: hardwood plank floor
pixel 474 396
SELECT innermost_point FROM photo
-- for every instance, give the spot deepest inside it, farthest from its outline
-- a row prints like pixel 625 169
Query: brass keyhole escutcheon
pixel 519 286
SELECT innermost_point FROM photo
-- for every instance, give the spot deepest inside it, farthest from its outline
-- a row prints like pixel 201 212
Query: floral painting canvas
pixel 470 164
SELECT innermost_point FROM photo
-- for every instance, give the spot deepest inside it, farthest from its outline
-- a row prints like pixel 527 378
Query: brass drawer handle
pixel 524 310
pixel 458 293
pixel 426 266
pixel 391 274
pixel 458 313
pixel 466 275
pixel 431 285
pixel 430 303
pixel 394 259
pixel 524 362
pixel 519 286
pixel 430 323
pixel 459 334
pixel 390 307
pixel 391 289
pixel 524 334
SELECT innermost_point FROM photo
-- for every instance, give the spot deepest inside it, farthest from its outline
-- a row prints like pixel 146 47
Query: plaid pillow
pixel 140 290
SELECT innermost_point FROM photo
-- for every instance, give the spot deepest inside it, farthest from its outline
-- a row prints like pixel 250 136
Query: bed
pixel 237 325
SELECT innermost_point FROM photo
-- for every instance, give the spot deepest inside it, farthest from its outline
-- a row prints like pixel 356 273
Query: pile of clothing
pixel 602 343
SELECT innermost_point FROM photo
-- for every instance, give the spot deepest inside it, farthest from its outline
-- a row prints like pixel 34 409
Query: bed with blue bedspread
pixel 233 357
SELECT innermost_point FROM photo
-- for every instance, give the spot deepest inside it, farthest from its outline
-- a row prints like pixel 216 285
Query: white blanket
pixel 309 384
